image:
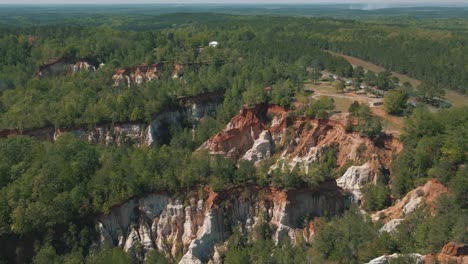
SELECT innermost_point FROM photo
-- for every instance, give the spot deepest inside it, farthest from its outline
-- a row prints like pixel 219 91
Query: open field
pixel 451 96
pixel 390 123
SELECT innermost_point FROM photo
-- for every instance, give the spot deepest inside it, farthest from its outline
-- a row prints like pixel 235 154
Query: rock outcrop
pixel 453 253
pixel 136 75
pixel 455 249
pixel 140 133
pixel 195 224
pixel 356 177
pixel 298 140
pixel 177 71
pixel 240 133
pixel 64 66
pixel 405 258
pixel 395 214
pixel 261 149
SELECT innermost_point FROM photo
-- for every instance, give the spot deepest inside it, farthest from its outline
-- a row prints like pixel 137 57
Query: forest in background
pixel 50 191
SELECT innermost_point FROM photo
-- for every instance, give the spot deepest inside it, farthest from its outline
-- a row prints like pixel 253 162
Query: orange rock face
pixel 239 134
pixel 426 194
pixel 455 249
pixel 451 253
pixel 177 70
pixel 298 139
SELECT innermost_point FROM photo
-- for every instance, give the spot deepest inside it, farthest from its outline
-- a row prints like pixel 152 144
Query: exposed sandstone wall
pixel 140 74
pixel 261 149
pixel 140 133
pixel 413 258
pixel 395 214
pixel 240 133
pixel 298 140
pixel 64 66
pixel 194 108
pixel 136 75
pixel 356 177
pixel 195 223
pixel 452 252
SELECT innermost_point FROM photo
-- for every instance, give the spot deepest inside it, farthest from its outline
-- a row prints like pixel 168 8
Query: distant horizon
pixel 378 4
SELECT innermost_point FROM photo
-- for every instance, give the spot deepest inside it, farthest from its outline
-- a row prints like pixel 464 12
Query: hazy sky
pixel 379 2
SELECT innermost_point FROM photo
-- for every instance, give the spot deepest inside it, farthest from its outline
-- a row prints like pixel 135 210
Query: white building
pixel 213 44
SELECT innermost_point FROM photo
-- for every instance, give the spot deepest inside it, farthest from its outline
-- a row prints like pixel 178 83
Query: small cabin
pixel 213 44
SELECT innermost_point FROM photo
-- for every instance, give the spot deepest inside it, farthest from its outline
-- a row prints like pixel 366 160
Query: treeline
pixel 247 60
pixel 434 147
pixel 434 56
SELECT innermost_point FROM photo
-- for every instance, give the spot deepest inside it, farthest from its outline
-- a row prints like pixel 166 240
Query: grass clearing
pixel 320 87
pixel 341 104
pixel 451 96
pixel 455 98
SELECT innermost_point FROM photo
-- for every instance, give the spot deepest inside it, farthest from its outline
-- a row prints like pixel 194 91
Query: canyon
pixel 134 75
pixel 197 223
pixel 191 108
pixel 64 66
pixel 193 226
pixel 296 140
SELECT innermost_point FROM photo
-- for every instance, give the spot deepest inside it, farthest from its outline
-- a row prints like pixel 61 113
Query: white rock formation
pixel 104 237
pixel 145 236
pixel 132 240
pixel 412 205
pixel 391 226
pixel 261 149
pixel 201 249
pixel 139 133
pixel 408 258
pixel 426 194
pixel 354 179
pixel 196 226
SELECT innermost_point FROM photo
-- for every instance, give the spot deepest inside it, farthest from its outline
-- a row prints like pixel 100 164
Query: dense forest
pixel 50 192
pixel 253 55
pixel 397 47
pixel 246 61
